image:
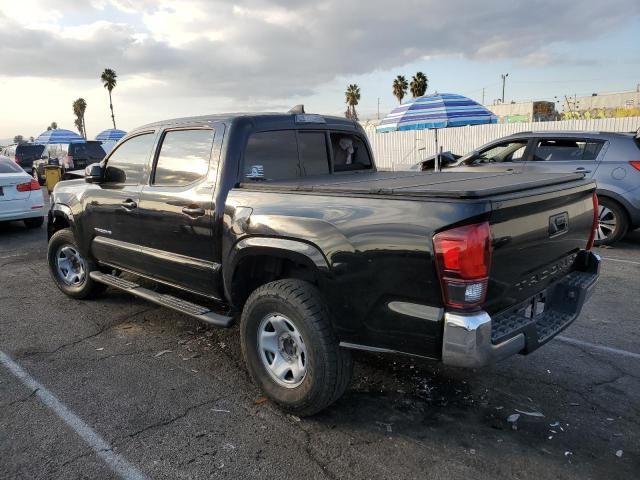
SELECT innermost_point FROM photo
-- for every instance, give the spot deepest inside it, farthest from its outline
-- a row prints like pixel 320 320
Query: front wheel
pixel 69 268
pixel 290 349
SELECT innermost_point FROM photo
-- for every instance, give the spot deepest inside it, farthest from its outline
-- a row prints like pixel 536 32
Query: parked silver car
pixel 612 159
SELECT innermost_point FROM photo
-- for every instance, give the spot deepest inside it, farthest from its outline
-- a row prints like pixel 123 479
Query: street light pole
pixel 504 80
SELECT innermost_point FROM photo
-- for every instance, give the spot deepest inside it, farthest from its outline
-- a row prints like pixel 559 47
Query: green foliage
pixel 419 84
pixel 400 87
pixel 352 97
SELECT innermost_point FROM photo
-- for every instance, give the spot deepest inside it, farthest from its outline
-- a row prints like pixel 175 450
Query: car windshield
pixel 89 151
pixel 28 152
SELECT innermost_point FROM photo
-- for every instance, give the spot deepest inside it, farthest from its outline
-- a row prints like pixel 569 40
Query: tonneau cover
pixel 428 184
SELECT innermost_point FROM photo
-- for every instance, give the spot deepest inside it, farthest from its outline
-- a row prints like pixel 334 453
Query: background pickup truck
pixel 284 218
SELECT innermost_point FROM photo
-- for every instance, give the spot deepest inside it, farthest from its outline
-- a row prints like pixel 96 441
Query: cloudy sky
pixel 188 57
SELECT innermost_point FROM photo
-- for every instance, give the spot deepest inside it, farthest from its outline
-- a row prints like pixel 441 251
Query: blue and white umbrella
pixel 112 134
pixel 58 136
pixel 437 110
pixel 434 111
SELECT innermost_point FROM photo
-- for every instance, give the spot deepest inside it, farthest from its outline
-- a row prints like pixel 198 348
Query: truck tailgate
pixel 536 239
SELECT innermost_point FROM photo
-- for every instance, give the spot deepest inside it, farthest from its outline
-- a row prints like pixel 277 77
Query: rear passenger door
pixel 566 155
pixel 176 212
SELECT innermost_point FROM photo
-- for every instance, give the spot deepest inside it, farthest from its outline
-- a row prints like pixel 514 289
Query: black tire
pixel 610 236
pixel 33 222
pixel 87 288
pixel 328 367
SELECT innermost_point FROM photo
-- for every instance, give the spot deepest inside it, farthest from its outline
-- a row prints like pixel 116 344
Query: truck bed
pixel 423 184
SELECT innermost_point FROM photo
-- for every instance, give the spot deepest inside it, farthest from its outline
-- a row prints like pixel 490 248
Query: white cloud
pixel 260 52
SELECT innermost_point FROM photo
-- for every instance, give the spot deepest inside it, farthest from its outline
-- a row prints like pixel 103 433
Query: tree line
pixel 79 107
pixel 418 87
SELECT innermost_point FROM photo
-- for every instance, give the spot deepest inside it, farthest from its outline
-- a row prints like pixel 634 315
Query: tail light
pixel 594 225
pixel 18 159
pixel 28 187
pixel 463 260
pixel 635 164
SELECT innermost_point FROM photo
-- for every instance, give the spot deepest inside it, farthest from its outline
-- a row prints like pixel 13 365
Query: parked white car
pixel 21 196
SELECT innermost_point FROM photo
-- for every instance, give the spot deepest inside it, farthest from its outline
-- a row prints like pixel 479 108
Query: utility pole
pixel 482 95
pixel 504 80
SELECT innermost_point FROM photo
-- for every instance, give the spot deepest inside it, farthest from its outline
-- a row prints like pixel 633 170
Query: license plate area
pixel 536 306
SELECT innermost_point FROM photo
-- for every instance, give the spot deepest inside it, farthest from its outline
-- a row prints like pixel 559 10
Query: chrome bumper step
pixel 200 312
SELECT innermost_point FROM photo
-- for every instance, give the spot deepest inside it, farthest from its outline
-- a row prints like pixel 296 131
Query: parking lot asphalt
pixel 170 398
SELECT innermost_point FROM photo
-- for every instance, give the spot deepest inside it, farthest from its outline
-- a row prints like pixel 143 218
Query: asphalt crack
pixel 101 330
pixel 20 400
pixel 171 420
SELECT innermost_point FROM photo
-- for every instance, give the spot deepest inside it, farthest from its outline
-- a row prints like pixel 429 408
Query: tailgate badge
pixel 558 224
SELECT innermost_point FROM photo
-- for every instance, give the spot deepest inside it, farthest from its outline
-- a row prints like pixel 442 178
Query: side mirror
pixel 94 173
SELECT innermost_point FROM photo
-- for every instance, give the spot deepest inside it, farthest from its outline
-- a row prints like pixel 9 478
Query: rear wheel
pixel 290 349
pixel 612 222
pixel 69 268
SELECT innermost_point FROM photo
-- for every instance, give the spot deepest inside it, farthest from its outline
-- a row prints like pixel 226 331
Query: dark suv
pixel 24 154
pixel 612 159
pixel 74 156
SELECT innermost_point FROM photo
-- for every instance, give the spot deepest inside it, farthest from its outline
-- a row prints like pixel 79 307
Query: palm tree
pixel 53 126
pixel 419 84
pixel 79 107
pixel 109 81
pixel 352 97
pixel 400 86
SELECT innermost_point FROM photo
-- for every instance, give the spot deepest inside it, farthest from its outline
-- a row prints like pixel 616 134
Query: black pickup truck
pixel 284 218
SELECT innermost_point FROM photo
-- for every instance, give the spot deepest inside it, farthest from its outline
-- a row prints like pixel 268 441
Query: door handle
pixel 129 204
pixel 193 211
pixel 582 170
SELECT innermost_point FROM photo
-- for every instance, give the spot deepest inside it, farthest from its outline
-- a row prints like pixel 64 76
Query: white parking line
pixel 114 461
pixel 621 260
pixel 594 346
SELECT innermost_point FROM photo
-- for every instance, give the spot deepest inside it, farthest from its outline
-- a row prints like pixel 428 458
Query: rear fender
pixel 295 250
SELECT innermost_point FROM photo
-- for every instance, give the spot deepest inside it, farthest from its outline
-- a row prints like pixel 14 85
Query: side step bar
pixel 203 314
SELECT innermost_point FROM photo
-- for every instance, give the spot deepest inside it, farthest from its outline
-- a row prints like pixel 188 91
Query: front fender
pixel 60 216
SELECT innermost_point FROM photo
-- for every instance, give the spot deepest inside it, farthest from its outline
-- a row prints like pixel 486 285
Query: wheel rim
pixel 282 350
pixel 70 265
pixel 607 223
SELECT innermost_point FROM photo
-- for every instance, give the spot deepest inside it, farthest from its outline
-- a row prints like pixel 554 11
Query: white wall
pixel 400 150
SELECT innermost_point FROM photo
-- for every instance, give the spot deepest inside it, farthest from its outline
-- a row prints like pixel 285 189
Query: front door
pixel 111 218
pixel 504 156
pixel 176 212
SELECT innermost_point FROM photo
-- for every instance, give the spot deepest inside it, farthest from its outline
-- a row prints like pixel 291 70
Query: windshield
pixel 89 151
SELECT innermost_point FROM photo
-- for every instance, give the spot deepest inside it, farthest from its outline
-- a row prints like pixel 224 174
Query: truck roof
pixel 263 120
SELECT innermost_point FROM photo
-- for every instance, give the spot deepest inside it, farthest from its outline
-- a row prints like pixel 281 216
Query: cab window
pixel 126 164
pixel 184 157
pixel 503 152
pixel 349 153
pixel 567 149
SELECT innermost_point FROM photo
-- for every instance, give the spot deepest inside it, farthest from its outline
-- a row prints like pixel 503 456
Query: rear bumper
pixel 476 339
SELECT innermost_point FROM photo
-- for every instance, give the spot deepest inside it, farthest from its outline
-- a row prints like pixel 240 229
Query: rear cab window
pixel 567 149
pixel 289 154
